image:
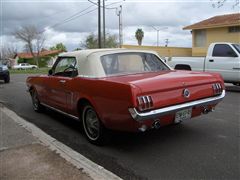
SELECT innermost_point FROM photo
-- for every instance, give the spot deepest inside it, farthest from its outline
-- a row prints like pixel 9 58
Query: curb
pixel 94 170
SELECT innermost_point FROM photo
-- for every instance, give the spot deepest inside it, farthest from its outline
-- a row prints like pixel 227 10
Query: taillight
pixel 144 103
pixel 217 88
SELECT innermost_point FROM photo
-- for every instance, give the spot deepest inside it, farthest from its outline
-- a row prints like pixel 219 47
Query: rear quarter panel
pixel 111 100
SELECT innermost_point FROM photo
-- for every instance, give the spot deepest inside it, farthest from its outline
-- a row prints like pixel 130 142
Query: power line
pixel 106 6
pixel 72 17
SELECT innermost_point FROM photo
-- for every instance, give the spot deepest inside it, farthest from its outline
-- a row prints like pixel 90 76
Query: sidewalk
pixel 26 152
pixel 22 156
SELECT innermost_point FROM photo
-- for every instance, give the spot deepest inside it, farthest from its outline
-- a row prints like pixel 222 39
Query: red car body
pixel 131 102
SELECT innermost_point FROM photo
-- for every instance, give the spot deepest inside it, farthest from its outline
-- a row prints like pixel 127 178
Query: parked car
pixel 126 90
pixel 4 73
pixel 223 58
pixel 25 66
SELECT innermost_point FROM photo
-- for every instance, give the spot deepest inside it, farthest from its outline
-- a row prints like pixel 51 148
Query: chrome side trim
pixel 57 110
pixel 140 116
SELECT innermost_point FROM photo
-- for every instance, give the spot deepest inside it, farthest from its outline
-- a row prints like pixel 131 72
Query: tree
pixel 33 39
pixel 139 34
pixel 59 46
pixel 91 41
pixel 7 52
pixel 220 3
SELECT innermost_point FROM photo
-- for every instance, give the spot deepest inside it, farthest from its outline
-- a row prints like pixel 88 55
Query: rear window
pixel 130 63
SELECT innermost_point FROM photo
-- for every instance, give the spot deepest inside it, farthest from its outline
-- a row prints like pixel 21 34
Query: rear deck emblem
pixel 186 93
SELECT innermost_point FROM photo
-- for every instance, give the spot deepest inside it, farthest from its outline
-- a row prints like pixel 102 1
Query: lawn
pixel 30 71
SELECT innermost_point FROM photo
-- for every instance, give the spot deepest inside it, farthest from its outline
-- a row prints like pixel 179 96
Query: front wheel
pixel 35 102
pixel 7 79
pixel 95 131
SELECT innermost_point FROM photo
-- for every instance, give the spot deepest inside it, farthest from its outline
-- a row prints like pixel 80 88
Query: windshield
pixel 237 47
pixel 130 63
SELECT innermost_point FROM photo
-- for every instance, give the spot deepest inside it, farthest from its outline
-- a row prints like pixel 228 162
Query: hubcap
pixel 92 124
pixel 35 101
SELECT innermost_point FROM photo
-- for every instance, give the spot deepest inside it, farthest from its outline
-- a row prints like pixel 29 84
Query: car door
pixel 224 60
pixel 58 83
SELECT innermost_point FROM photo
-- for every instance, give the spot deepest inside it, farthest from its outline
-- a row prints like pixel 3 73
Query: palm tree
pixel 139 34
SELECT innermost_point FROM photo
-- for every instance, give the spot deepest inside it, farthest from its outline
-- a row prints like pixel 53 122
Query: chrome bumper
pixel 140 116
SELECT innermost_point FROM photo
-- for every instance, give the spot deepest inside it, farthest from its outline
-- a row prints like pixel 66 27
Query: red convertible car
pixel 126 90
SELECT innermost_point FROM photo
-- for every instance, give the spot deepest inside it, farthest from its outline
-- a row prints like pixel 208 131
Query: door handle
pixel 211 60
pixel 62 81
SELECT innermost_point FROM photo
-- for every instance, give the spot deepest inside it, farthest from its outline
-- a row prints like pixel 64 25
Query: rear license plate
pixel 183 115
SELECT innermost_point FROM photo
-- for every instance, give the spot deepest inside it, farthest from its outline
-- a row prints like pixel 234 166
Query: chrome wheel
pixel 91 124
pixel 35 101
pixel 93 127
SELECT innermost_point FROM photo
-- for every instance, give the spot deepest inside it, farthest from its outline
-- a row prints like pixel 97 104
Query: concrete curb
pixel 89 167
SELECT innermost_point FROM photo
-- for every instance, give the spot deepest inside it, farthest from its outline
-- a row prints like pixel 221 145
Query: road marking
pixel 94 170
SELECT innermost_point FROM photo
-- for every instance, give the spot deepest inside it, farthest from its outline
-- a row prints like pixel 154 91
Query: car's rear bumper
pixel 141 116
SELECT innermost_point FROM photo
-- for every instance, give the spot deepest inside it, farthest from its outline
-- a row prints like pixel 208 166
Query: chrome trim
pixel 140 116
pixel 64 113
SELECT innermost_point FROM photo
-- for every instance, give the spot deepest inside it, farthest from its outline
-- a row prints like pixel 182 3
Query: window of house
pixel 234 29
pixel 223 50
pixel 200 38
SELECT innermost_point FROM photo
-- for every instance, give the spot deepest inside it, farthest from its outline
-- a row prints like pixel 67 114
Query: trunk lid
pixel 166 87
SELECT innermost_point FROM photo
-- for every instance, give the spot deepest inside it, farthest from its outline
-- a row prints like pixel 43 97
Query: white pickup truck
pixel 223 58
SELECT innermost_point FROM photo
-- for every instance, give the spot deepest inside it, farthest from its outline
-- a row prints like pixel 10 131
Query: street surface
pixel 206 147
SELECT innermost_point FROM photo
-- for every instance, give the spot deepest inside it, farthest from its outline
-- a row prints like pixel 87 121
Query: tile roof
pixel 42 54
pixel 217 21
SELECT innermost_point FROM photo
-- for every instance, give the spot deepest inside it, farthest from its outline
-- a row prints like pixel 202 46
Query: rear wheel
pixel 35 101
pixel 7 79
pixel 95 131
pixel 236 84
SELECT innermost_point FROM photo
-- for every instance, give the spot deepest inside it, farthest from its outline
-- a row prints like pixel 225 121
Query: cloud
pixel 136 14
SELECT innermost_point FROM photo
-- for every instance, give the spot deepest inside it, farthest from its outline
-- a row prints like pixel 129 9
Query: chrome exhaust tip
pixel 205 111
pixel 156 124
pixel 143 128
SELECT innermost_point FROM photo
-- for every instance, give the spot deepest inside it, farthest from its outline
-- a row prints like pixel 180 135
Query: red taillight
pixel 145 103
pixel 217 88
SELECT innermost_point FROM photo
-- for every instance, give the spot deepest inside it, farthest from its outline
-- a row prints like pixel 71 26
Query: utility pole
pixel 166 42
pixel 99 25
pixel 119 14
pixel 104 32
pixel 158 29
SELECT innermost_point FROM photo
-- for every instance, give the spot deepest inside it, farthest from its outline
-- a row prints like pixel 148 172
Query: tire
pixel 94 130
pixel 35 102
pixel 236 84
pixel 7 79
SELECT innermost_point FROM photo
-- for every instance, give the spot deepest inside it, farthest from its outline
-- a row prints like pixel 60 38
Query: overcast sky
pixel 49 15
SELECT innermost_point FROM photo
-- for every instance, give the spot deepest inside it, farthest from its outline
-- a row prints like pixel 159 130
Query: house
pixel 224 28
pixel 46 57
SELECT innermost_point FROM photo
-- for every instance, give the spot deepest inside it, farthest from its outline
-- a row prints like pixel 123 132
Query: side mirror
pixel 50 72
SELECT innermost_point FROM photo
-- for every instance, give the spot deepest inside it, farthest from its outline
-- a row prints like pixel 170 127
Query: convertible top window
pixel 130 63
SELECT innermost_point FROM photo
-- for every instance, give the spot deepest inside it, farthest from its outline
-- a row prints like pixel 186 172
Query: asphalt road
pixel 206 147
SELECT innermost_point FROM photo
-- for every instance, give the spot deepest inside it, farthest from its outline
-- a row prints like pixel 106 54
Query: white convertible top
pixel 88 61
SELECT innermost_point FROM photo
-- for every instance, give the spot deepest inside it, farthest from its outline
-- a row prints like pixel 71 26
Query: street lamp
pixel 158 29
pixel 119 14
